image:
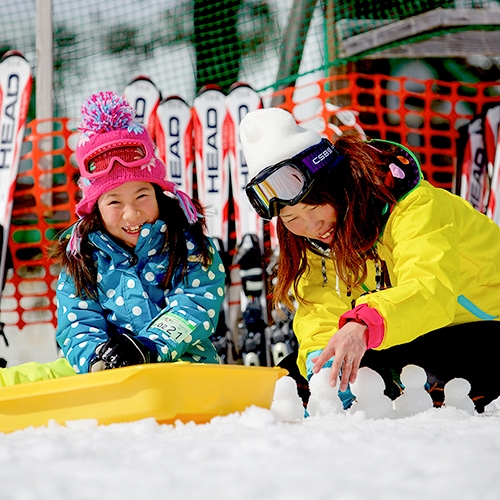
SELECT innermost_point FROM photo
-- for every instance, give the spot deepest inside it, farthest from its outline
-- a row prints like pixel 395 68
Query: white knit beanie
pixel 271 135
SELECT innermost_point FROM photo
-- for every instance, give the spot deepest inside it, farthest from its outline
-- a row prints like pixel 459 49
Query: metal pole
pixel 44 65
pixel 44 79
pixel 293 43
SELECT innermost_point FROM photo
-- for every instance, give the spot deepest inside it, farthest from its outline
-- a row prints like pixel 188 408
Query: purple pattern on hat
pixel 320 155
pixel 107 111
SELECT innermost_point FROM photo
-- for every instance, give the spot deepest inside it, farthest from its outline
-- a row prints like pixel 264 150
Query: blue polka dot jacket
pixel 178 320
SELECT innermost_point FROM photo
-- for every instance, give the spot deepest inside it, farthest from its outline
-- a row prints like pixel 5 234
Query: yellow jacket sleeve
pixel 438 249
pixel 421 243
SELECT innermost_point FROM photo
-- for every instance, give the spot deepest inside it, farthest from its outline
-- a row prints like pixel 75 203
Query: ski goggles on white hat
pixel 289 181
pixel 129 153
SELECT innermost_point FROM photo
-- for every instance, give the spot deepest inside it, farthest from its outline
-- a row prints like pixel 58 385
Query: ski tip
pixel 11 53
pixel 173 98
pixel 141 78
pixel 210 86
pixel 237 85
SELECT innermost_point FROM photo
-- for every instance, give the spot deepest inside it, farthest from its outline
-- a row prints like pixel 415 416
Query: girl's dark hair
pixel 357 191
pixel 83 271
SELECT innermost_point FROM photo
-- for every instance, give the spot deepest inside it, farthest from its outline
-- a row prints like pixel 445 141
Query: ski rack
pixel 423 115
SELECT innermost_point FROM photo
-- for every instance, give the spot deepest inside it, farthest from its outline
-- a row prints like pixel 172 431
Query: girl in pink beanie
pixel 140 281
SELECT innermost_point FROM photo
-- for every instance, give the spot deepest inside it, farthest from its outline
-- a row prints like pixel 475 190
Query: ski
pixel 255 335
pixel 15 93
pixel 282 338
pixel 240 100
pixel 143 95
pixel 471 163
pixel 212 186
pixel 212 180
pixel 492 151
pixel 174 138
pixel 222 338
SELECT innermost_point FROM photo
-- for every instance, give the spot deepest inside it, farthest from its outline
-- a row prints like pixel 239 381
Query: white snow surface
pixel 442 453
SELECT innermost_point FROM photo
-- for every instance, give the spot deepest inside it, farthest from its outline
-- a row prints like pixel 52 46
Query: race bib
pixel 174 326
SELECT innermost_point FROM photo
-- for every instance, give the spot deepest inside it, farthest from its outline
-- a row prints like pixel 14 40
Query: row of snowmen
pixel 370 398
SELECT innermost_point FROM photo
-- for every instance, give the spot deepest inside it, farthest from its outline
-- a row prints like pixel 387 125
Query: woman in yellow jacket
pixel 386 269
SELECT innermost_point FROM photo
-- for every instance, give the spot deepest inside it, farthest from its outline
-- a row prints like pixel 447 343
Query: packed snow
pixel 438 453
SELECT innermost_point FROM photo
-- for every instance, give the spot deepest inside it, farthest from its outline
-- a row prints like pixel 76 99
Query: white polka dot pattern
pixel 131 298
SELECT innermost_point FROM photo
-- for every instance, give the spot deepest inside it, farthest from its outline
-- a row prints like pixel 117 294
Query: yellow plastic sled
pixel 165 391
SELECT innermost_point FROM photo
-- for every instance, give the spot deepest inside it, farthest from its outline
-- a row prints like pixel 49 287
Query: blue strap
pixel 347 397
pixel 473 309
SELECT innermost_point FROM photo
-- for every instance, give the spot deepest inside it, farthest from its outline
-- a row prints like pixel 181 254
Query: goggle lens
pixel 283 185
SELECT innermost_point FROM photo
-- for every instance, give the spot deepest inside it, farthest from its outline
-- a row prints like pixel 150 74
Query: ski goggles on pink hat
pixel 289 181
pixel 129 153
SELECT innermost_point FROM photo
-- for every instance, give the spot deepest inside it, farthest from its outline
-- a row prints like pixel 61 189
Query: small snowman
pixel 324 398
pixel 415 399
pixel 456 395
pixel 287 405
pixel 369 393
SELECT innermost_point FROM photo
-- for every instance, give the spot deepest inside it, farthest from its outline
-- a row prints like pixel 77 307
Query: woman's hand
pixel 347 346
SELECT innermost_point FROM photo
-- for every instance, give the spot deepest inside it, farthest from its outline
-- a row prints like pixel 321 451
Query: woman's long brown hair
pixel 82 269
pixel 357 191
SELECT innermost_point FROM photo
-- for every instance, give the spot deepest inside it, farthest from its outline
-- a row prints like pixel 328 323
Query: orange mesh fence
pixel 44 202
pixel 422 114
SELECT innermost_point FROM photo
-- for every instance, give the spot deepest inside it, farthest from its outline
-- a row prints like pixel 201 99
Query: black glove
pixel 122 349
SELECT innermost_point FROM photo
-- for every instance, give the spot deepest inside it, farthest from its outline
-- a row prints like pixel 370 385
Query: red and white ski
pixel 174 138
pixel 144 96
pixel 241 100
pixel 472 165
pixel 209 111
pixel 492 149
pixel 15 92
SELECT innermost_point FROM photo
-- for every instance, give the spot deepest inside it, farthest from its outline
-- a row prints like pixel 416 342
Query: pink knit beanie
pixel 108 126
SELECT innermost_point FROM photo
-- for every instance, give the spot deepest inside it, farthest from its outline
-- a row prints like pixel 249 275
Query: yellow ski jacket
pixel 443 260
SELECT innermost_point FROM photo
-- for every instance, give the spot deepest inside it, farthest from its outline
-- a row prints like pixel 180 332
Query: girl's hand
pixel 347 346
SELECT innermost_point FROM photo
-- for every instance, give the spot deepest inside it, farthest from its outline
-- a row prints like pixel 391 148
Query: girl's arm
pixel 81 325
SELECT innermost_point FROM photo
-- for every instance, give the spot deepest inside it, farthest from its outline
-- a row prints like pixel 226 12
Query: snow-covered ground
pixel 443 453
pixel 438 454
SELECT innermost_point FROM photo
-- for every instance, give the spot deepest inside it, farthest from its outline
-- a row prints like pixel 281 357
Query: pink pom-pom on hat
pixel 108 122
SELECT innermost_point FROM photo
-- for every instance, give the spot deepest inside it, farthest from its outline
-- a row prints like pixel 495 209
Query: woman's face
pixel 126 208
pixel 310 221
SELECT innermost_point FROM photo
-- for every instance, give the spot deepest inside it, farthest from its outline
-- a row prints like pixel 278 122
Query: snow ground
pixel 437 454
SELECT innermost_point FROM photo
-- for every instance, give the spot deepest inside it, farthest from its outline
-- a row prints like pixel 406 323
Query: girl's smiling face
pixel 126 208
pixel 310 221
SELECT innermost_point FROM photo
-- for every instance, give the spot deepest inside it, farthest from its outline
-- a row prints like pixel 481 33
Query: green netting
pixel 184 44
